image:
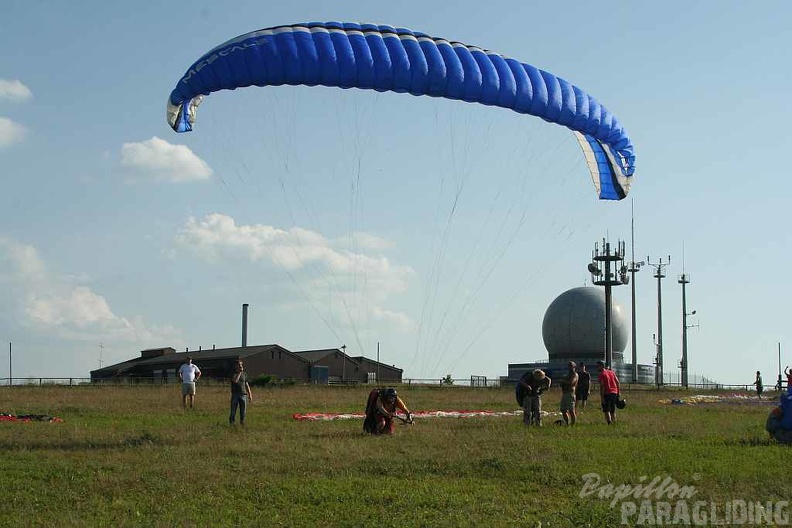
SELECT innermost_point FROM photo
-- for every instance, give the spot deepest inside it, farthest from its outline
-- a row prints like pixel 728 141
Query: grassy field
pixel 130 456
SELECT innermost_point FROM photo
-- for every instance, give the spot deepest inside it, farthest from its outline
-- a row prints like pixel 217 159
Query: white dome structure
pixel 574 326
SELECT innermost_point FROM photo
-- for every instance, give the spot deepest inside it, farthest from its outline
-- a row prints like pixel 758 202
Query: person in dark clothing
pixel 759 385
pixel 533 383
pixel 381 409
pixel 240 393
pixel 583 388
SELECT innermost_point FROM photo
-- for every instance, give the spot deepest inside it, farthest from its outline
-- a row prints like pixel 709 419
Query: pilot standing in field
pixel 583 388
pixel 609 391
pixel 240 393
pixel 534 383
pixel 568 386
pixel 189 374
pixel 759 384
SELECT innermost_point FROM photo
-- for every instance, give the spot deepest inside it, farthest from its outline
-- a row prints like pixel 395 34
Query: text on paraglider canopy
pixel 200 65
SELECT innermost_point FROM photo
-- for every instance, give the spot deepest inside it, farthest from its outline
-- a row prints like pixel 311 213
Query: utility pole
pixel 378 364
pixel 608 278
pixel 245 307
pixel 10 372
pixel 684 279
pixel 659 267
pixel 343 365
pixel 633 267
pixel 780 380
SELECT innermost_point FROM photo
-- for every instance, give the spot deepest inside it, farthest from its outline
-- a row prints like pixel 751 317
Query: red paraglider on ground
pixel 28 418
pixel 416 414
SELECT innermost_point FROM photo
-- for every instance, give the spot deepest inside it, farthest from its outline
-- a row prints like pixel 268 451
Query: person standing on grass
pixel 534 383
pixel 583 388
pixel 189 374
pixel 240 393
pixel 759 385
pixel 609 391
pixel 568 386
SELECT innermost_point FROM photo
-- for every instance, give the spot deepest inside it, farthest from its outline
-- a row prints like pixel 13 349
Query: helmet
pixel 621 404
pixel 390 394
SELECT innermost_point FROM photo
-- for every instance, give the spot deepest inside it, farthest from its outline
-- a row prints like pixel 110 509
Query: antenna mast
pixel 659 274
pixel 633 268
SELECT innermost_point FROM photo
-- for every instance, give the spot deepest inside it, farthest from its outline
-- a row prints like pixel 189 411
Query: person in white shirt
pixel 189 374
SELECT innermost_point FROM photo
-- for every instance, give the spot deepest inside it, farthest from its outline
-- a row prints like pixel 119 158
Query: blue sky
pixel 438 229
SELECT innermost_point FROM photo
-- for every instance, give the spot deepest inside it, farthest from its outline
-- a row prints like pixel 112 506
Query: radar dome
pixel 574 326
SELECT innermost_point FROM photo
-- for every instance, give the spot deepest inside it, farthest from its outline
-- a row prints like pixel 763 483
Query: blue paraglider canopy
pixel 779 422
pixel 385 58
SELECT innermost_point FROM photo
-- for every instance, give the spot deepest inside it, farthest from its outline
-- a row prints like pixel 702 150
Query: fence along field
pixel 130 456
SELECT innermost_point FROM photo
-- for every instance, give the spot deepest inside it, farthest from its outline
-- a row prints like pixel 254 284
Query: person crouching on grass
pixel 609 391
pixel 534 383
pixel 385 407
pixel 240 394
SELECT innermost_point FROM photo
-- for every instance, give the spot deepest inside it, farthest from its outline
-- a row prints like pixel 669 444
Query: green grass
pixel 130 456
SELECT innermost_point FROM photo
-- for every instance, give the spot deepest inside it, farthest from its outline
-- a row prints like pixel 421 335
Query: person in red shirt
pixel 609 391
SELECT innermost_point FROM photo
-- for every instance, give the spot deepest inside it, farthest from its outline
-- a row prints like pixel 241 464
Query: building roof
pixel 362 359
pixel 317 355
pixel 169 359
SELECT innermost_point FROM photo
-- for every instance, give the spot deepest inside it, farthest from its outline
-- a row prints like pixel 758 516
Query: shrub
pixel 261 380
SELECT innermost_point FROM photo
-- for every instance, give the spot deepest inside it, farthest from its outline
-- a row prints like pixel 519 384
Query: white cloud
pixel 394 318
pixel 217 236
pixel 314 262
pixel 57 305
pixel 11 132
pixel 366 241
pixel 14 91
pixel 157 159
pixel 78 306
pixel 20 262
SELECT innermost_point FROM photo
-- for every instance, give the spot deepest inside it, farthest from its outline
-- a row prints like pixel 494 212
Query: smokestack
pixel 244 324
